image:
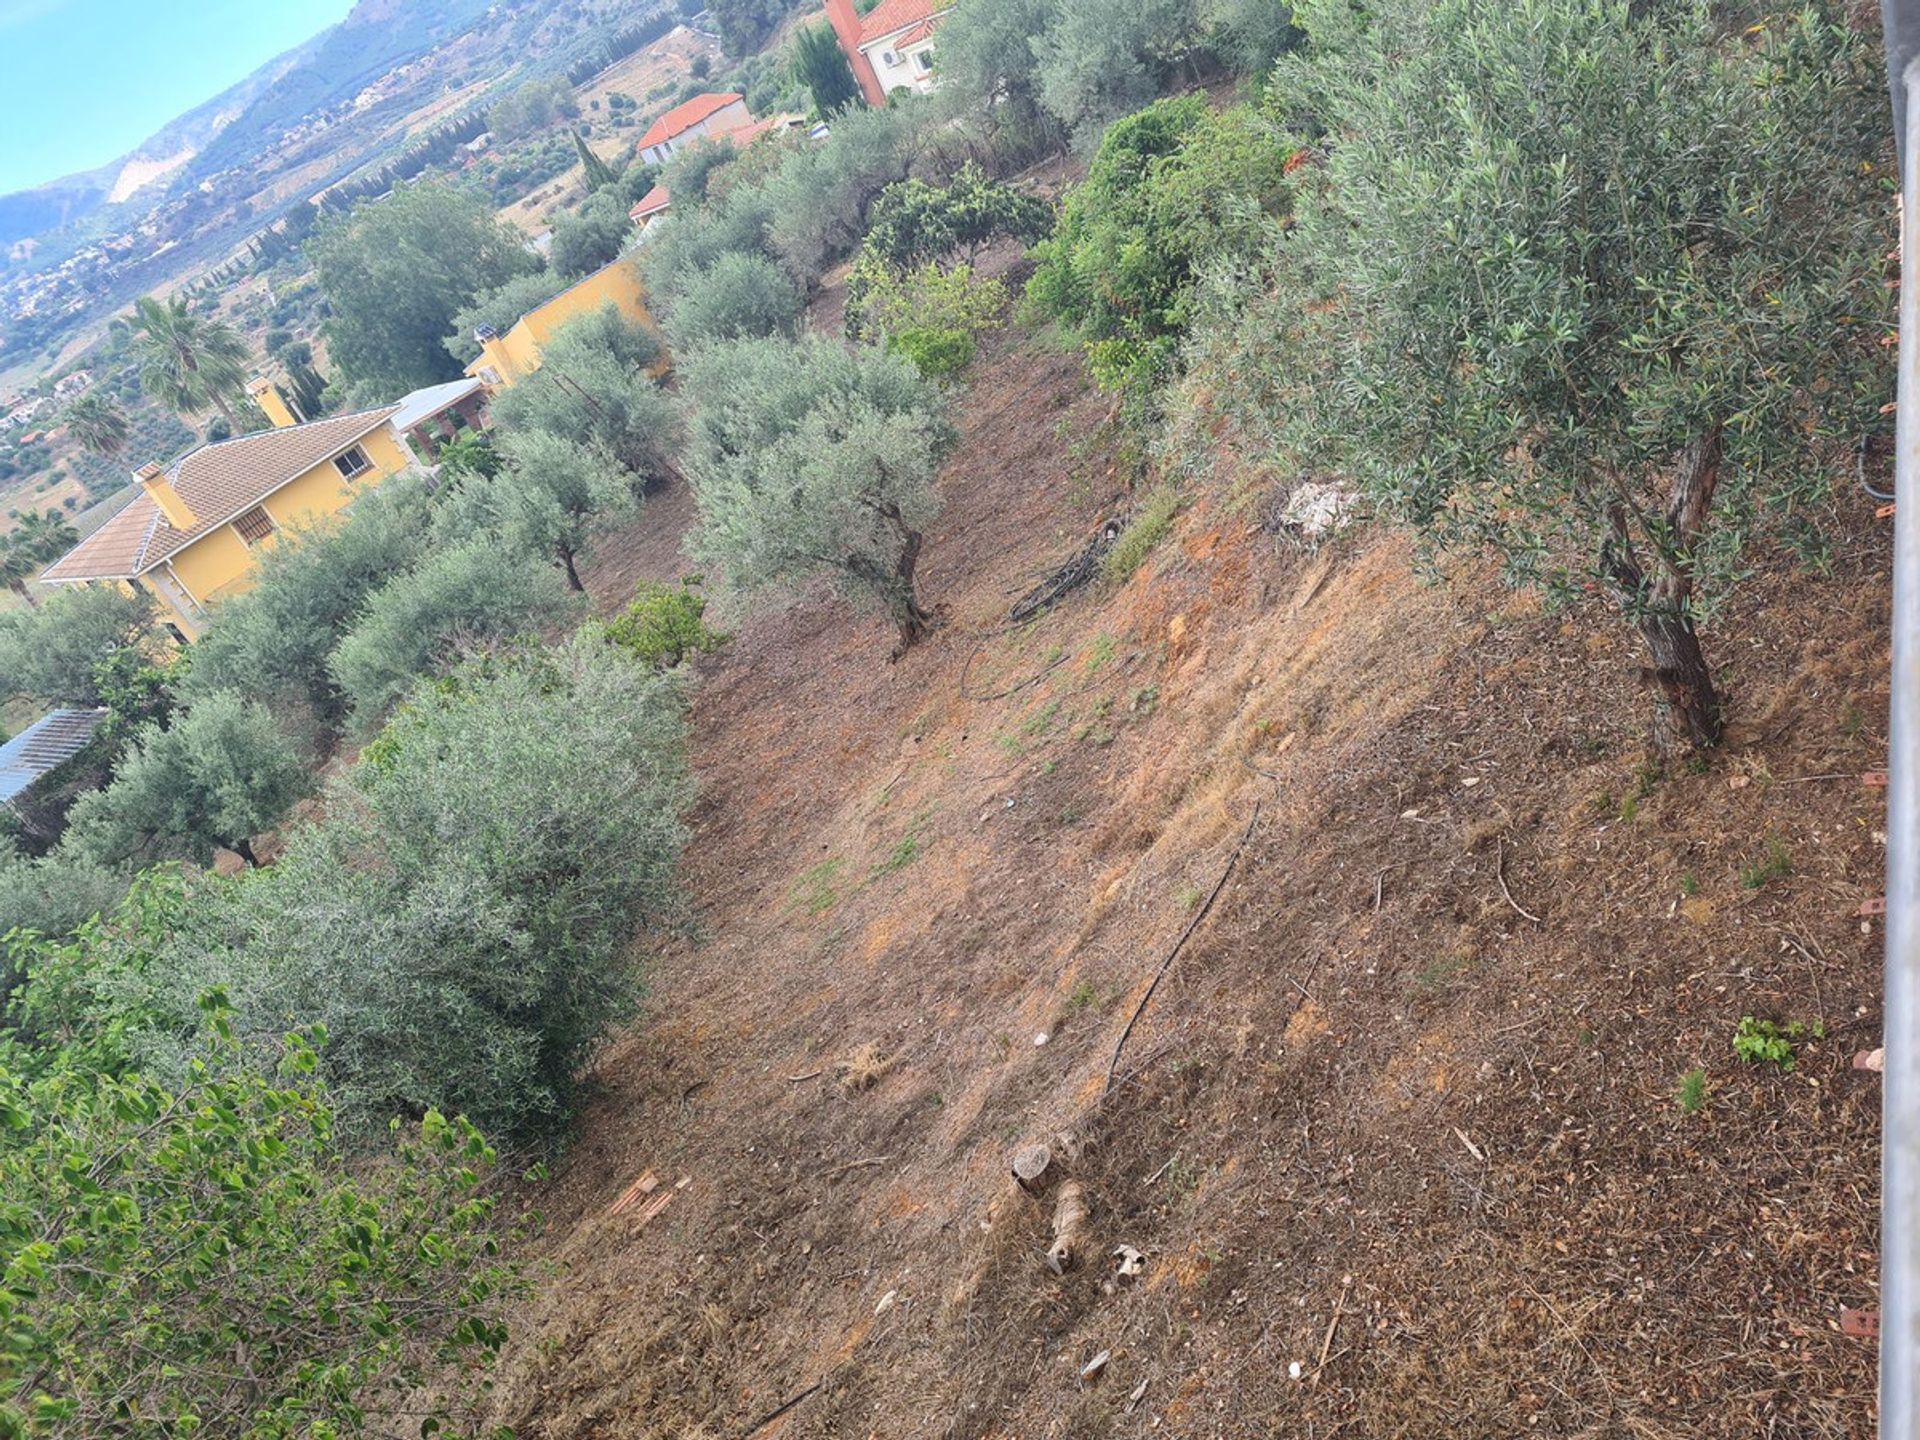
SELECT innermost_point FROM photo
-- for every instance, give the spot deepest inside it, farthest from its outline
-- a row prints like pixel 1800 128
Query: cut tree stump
pixel 1035 1168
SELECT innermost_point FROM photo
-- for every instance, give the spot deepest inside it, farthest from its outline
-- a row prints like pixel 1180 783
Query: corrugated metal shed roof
pixel 43 746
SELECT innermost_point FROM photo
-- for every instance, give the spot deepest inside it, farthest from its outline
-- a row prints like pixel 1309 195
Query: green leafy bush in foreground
pixel 199 1258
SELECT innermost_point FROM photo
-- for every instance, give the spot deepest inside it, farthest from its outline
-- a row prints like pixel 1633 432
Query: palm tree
pixel 45 535
pixel 187 361
pixel 18 565
pixel 98 423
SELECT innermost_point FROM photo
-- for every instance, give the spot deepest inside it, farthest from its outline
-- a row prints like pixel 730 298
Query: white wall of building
pixel 723 121
pixel 910 67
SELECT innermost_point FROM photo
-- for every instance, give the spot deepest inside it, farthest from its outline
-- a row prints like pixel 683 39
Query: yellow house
pixel 506 359
pixel 190 538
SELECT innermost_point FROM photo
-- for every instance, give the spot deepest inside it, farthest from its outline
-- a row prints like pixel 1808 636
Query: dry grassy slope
pixel 1374 1117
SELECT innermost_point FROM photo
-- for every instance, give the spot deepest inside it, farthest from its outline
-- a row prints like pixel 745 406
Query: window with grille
pixel 254 525
pixel 352 462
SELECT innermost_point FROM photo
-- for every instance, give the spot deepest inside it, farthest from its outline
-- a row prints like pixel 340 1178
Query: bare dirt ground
pixel 1397 1136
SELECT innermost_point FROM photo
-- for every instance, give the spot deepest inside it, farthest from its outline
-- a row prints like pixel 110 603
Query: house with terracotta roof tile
pixel 193 535
pixel 891 46
pixel 651 206
pixel 704 117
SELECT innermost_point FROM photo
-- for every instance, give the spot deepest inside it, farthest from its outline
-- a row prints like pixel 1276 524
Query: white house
pixel 705 117
pixel 891 47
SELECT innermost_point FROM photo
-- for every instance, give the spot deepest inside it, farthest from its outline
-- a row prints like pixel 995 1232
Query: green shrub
pixel 663 625
pixel 210 1264
pixel 1148 527
pixel 1767 1042
pixel 882 300
pixel 913 222
pixel 1173 188
pixel 937 354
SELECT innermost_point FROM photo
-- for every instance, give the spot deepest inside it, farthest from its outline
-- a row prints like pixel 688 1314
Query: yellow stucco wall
pixel 220 564
pixel 516 354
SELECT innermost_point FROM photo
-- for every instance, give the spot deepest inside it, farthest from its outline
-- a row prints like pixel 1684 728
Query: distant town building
pixel 652 205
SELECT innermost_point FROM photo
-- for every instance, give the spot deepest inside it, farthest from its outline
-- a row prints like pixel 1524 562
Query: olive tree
pixel 592 387
pixel 1100 59
pixel 461 915
pixel 467 595
pixel 273 643
pixel 741 295
pixel 53 655
pixel 808 458
pixel 555 497
pixel 217 775
pixel 989 72
pixel 1596 286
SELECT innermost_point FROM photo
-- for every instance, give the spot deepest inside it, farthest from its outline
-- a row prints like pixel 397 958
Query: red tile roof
pixel 891 15
pixel 914 36
pixel 685 116
pixel 654 200
pixel 217 482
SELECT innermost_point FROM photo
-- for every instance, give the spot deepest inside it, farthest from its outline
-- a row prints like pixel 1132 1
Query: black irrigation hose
pixel 1860 471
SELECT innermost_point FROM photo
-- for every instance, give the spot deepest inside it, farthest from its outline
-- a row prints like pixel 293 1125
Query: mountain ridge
pixel 233 125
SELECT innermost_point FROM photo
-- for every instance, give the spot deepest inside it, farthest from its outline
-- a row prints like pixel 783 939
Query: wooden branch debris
pixel 772 1415
pixel 1185 935
pixel 648 1184
pixel 645 1185
pixel 1069 577
pixel 1500 873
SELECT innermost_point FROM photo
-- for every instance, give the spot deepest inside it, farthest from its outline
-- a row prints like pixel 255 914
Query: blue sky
pixel 84 81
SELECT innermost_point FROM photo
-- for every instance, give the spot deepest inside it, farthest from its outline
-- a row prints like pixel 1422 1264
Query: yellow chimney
pixel 494 357
pixel 272 403
pixel 160 490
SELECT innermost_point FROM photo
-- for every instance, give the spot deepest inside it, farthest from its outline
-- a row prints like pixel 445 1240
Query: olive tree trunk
pixel 1659 607
pixel 914 622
